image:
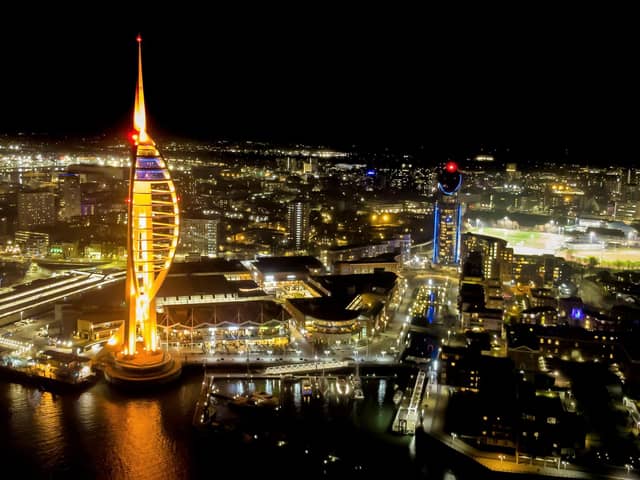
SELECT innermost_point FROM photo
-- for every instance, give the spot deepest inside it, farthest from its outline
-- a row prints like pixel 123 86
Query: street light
pixel 453 436
pixel 501 457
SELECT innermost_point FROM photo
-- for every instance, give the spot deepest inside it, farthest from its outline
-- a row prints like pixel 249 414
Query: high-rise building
pixel 70 197
pixel 298 224
pixel 199 236
pixel 496 257
pixel 36 209
pixel 447 217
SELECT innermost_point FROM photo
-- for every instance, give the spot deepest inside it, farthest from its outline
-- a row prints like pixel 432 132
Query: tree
pixel 593 261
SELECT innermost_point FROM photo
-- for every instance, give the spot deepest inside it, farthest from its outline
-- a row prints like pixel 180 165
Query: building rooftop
pixel 382 258
pixel 351 285
pixel 207 265
pixel 537 310
pixel 65 357
pixel 234 313
pixel 185 285
pixel 103 315
pixel 354 246
pixel 288 264
pixel 325 308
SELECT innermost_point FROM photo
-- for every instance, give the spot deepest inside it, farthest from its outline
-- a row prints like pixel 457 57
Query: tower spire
pixel 139 113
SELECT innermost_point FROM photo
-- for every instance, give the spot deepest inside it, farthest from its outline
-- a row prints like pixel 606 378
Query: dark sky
pixel 541 83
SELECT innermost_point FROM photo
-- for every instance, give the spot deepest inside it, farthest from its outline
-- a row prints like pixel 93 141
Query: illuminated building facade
pixel 153 228
pixel 34 244
pixel 447 217
pixel 497 258
pixel 70 196
pixel 36 209
pixel 298 217
pixel 199 236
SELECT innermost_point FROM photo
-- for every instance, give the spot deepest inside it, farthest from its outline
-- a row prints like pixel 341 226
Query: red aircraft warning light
pixel 451 167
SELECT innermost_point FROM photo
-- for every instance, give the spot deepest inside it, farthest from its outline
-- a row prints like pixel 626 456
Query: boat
pixel 358 393
pixel 264 399
pixel 342 386
pixel 255 400
pixel 307 387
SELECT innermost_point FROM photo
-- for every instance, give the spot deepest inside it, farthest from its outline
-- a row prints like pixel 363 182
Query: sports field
pixel 538 243
pixel 524 242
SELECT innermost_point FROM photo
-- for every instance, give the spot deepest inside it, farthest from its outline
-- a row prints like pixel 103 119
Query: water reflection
pixel 105 434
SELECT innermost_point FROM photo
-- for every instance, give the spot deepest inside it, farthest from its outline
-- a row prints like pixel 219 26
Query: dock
pixel 407 416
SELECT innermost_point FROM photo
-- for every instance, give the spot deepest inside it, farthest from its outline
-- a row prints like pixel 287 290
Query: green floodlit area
pixel 530 242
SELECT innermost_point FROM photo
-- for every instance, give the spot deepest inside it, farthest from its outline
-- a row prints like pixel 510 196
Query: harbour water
pixel 104 433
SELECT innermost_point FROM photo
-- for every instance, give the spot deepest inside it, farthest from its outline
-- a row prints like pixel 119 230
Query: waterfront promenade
pixel 434 407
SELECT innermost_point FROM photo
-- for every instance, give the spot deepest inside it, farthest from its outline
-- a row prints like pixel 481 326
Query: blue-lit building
pixel 447 217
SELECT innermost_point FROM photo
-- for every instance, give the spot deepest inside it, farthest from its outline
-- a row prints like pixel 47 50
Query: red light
pixel 139 38
pixel 451 167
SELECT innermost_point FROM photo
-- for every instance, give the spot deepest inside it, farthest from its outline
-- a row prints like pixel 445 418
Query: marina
pixel 226 404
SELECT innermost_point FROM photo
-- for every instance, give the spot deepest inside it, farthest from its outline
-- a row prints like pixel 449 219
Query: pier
pixel 406 418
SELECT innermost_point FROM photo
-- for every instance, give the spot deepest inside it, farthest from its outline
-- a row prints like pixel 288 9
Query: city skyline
pixel 332 311
pixel 340 84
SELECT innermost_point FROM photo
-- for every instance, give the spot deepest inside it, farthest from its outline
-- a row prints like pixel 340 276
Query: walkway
pixel 434 408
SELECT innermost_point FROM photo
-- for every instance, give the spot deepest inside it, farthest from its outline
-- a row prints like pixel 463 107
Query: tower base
pixel 144 369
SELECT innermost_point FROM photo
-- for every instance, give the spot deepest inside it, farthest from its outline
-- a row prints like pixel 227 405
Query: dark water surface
pixel 105 433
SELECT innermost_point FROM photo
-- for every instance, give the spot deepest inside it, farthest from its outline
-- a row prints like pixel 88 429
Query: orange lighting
pixel 152 230
pixel 139 112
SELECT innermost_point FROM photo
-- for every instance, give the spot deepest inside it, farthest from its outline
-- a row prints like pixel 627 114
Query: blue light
pixel 436 217
pixel 456 251
pixel 577 313
pixel 452 191
pixel 150 175
pixel 371 173
pixel 430 314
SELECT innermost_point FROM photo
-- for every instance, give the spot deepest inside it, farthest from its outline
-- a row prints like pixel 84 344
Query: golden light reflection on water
pixel 104 434
pixel 47 421
pixel 137 441
pixel 96 434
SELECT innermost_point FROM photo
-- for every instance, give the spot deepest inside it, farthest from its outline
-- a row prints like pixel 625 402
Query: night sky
pixel 541 85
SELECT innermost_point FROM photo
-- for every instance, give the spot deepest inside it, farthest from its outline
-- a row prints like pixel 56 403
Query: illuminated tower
pixel 152 231
pixel 447 217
